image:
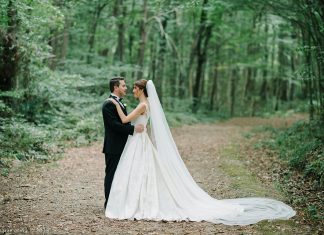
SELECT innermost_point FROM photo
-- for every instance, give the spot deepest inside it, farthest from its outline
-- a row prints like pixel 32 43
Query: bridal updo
pixel 141 84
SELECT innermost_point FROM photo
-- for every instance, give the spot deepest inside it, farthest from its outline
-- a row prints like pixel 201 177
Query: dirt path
pixel 66 196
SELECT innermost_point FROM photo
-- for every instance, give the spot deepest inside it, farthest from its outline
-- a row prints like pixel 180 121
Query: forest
pixel 225 57
pixel 209 59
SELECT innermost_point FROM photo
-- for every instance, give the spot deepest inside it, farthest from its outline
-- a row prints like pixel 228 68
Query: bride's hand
pixel 113 101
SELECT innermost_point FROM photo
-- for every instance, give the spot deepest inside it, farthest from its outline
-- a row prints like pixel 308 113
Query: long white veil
pixel 195 203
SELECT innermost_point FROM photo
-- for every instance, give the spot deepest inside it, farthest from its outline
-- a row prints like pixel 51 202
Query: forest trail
pixel 66 196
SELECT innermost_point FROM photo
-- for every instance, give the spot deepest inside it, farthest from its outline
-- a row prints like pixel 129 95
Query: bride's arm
pixel 134 114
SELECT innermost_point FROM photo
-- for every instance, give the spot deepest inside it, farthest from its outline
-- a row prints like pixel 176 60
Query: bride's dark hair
pixel 141 84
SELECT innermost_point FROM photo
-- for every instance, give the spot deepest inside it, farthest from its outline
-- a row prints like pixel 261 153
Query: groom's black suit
pixel 116 134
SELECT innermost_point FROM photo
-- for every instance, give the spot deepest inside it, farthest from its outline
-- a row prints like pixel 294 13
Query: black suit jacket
pixel 116 133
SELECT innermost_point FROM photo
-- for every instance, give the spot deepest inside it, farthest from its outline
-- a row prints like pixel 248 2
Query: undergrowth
pixel 301 147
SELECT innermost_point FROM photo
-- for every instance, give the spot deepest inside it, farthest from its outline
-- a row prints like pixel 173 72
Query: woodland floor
pixel 66 196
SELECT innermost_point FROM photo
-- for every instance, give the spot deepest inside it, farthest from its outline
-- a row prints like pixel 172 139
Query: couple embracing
pixel 146 178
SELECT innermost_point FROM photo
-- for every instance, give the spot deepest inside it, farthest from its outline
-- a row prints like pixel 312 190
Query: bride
pixel 152 182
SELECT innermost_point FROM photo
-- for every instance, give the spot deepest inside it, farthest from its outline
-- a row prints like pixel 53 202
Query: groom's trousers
pixel 111 166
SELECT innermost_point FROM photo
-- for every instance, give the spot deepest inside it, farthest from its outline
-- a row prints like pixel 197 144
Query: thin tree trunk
pixel 277 93
pixel 175 68
pixel 273 53
pixel 54 41
pixel 214 90
pixel 65 38
pixel 120 14
pixel 131 39
pixel 9 52
pixel 264 85
pixel 232 91
pixel 249 85
pixel 93 29
pixel 141 51
pixel 215 74
pixel 160 60
pixel 152 74
pixel 283 93
pixel 204 34
pixel 307 42
pixel 292 84
pixel 319 49
pixel 315 14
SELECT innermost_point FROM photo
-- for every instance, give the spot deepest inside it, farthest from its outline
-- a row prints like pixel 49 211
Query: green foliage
pixel 302 146
pixel 5 110
pixel 314 213
pixel 59 108
pixel 178 119
pixel 23 141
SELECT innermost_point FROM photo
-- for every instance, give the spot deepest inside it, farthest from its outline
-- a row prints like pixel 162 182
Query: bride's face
pixel 136 91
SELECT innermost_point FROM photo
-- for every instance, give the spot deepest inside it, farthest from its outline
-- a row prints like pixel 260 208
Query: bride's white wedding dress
pixel 151 182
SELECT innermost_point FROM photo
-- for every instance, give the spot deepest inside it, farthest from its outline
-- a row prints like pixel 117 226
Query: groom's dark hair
pixel 114 82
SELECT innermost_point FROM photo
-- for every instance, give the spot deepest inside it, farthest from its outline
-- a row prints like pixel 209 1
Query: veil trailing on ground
pixel 194 202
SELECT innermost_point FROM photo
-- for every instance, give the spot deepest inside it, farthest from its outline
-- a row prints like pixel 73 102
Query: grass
pixel 243 180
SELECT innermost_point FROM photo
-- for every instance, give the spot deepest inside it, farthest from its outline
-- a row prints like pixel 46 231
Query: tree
pixel 201 47
pixel 10 55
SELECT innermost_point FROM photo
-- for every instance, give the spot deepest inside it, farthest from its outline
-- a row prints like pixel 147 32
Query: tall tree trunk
pixel 160 60
pixel 59 40
pixel 141 51
pixel 292 84
pixel 65 38
pixel 152 74
pixel 120 14
pixel 131 39
pixel 277 82
pixel 189 76
pixel 204 34
pixel 307 53
pixel 54 43
pixel 314 15
pixel 233 91
pixel 251 50
pixel 273 58
pixel 9 50
pixel 264 85
pixel 250 85
pixel 181 87
pixel 175 68
pixel 283 93
pixel 93 29
pixel 214 94
pixel 214 84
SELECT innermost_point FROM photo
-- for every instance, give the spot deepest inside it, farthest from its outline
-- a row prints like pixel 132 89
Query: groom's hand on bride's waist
pixel 139 128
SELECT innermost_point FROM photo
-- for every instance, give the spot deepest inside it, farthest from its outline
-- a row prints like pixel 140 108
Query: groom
pixel 116 133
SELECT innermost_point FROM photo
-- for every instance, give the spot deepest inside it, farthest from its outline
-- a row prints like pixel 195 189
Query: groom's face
pixel 121 89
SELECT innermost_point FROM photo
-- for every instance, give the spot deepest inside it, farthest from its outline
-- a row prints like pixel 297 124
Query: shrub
pixel 23 141
pixel 302 146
